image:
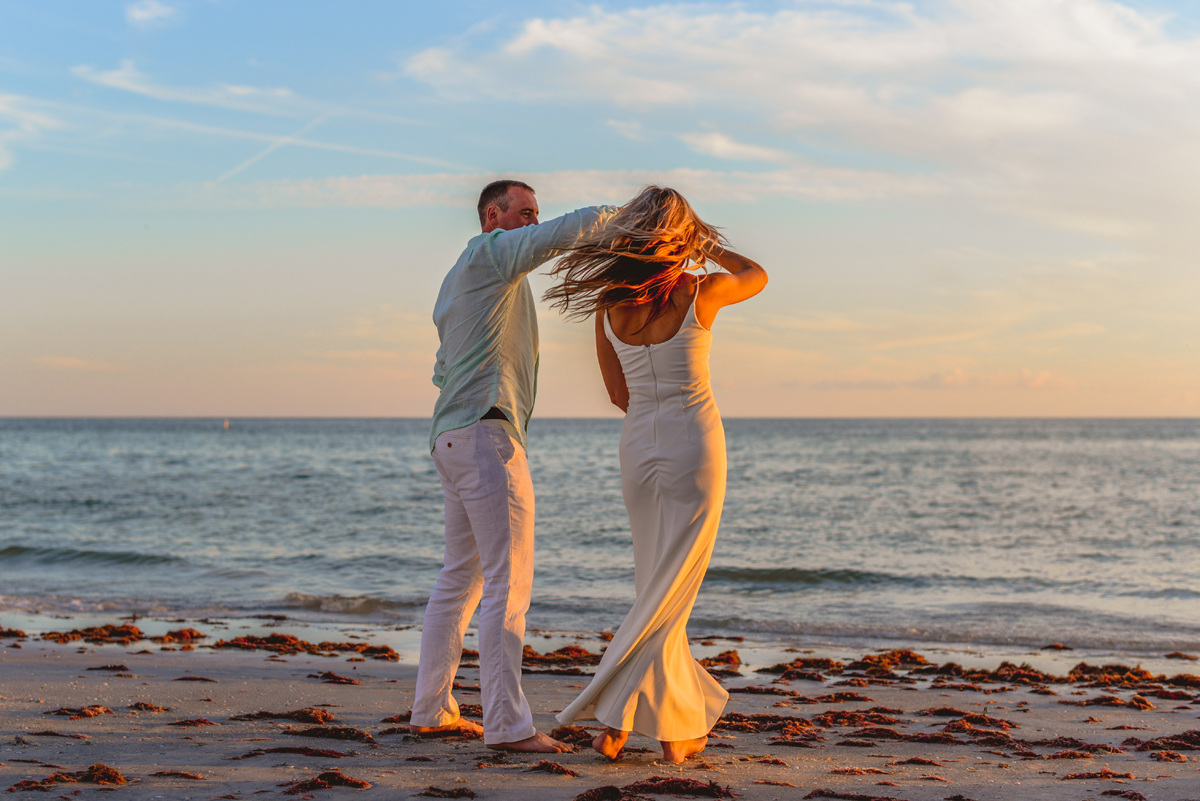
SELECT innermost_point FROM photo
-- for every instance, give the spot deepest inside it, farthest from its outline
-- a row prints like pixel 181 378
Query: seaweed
pixel 573 735
pixel 824 793
pixel 291 749
pixel 1132 795
pixel 570 655
pixel 326 781
pixel 306 715
pixel 759 690
pixel 1069 754
pixel 12 633
pixel 193 722
pixel 98 773
pixel 546 766
pixel 48 733
pixel 108 634
pixel 671 785
pixel 333 733
pixel 1169 756
pixel 437 792
pixel 196 777
pixel 332 678
pixel 146 706
pixel 859 771
pixel 289 645
pixel 1136 702
pixel 111 668
pixel 78 713
pixel 737 721
pixel 845 717
pixel 197 678
pixel 1103 773
pixel 918 761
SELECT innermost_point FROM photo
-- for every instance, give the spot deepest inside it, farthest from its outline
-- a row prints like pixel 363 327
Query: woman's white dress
pixel 673 480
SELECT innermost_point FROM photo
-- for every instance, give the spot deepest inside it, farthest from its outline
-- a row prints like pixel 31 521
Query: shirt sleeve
pixel 520 251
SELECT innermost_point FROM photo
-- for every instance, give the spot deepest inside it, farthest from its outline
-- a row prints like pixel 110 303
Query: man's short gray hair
pixel 496 194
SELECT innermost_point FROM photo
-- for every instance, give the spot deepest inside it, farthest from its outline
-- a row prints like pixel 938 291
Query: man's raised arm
pixel 522 250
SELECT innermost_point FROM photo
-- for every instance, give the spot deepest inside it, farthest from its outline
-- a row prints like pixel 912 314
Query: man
pixel 487 373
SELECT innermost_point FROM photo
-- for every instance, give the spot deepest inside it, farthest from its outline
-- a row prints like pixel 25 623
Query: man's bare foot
pixel 461 725
pixel 537 744
pixel 679 751
pixel 611 742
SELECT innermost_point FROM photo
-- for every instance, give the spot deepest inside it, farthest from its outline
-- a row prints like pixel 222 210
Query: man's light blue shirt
pixel 487 322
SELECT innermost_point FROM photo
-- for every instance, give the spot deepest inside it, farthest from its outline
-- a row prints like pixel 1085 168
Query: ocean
pixel 996 535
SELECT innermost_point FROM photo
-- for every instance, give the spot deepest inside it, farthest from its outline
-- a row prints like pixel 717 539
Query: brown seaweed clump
pixel 330 677
pixel 302 750
pixel 15 634
pixel 578 736
pixel 333 733
pixel 79 713
pixel 146 706
pixel 1103 773
pixel 326 781
pixel 289 645
pixel 179 774
pixel 186 636
pixel 96 774
pixel 824 793
pixel 546 766
pixel 307 715
pixel 108 634
pixel 193 722
pixel 672 785
pixel 438 792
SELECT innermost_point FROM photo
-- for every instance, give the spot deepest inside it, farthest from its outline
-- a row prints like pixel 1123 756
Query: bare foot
pixel 537 744
pixel 611 743
pixel 461 725
pixel 679 751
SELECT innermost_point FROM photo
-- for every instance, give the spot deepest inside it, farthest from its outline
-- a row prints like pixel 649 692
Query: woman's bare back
pixel 629 321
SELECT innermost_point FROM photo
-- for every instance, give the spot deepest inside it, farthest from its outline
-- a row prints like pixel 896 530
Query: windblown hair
pixel 496 194
pixel 638 257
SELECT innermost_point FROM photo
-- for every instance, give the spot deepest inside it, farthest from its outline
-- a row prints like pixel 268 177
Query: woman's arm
pixel 743 280
pixel 610 367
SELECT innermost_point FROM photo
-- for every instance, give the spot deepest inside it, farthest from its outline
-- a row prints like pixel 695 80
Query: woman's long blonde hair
pixel 638 257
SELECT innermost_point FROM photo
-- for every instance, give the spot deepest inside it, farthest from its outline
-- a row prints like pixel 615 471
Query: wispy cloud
pixel 128 78
pixel 579 187
pixel 1023 100
pixel 723 147
pixel 20 122
pixel 147 13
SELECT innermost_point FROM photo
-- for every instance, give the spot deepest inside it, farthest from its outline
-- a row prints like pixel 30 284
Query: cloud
pixel 568 187
pixel 147 13
pixel 19 122
pixel 631 129
pixel 245 98
pixel 721 146
pixel 1078 114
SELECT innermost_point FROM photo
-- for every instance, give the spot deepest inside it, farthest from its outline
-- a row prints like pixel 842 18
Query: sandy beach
pixel 165 717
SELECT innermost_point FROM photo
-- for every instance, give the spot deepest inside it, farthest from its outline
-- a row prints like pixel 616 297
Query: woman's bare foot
pixel 461 725
pixel 537 744
pixel 611 742
pixel 678 751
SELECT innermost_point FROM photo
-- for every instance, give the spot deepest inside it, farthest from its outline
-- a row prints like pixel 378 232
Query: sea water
pixel 976 533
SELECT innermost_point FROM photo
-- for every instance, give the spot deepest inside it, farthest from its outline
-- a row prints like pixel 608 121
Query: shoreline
pixel 857 731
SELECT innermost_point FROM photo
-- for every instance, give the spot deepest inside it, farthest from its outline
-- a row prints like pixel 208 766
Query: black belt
pixel 494 414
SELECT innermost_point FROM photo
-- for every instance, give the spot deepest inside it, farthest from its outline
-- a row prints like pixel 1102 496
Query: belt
pixel 494 414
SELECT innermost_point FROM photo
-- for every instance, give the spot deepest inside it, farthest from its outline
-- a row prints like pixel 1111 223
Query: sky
pixel 245 208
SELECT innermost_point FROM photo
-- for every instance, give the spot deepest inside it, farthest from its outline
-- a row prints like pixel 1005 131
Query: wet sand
pixel 888 727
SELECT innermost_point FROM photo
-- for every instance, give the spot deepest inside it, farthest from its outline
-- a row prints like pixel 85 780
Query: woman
pixel 653 320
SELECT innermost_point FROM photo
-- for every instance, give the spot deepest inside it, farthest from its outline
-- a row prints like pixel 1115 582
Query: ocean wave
pixel 347 605
pixel 56 556
pixel 795 575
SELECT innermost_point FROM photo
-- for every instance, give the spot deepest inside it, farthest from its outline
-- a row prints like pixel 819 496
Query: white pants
pixel 489 555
